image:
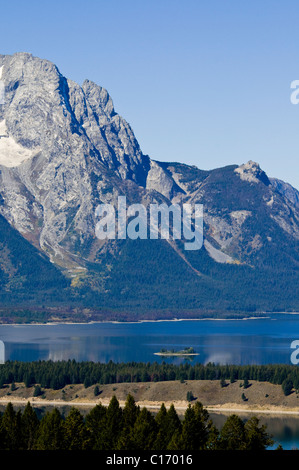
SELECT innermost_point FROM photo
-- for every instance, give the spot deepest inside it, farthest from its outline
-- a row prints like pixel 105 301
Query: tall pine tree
pixel 51 432
pixel 130 414
pixel 29 428
pixel 10 428
pixel 95 427
pixel 74 431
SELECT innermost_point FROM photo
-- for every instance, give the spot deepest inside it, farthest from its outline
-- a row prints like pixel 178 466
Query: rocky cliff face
pixel 64 149
pixel 285 189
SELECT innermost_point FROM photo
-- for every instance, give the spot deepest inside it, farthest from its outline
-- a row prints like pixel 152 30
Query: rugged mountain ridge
pixel 64 149
pixel 286 190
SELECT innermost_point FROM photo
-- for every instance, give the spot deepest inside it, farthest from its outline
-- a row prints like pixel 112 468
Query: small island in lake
pixel 172 352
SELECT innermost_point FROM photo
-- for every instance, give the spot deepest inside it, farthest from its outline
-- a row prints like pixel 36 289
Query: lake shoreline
pixel 154 405
pixel 116 322
pixel 260 316
pixel 175 354
pixel 261 397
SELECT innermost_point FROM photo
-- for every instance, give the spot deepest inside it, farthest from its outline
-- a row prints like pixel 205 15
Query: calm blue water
pixel 259 341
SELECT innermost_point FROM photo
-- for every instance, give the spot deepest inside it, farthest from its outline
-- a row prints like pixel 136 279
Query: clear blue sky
pixel 205 82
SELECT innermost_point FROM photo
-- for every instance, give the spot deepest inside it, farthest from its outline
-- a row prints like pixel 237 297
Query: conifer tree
pixel 232 436
pixel 130 412
pixel 113 425
pixel 10 428
pixel 175 442
pixel 213 438
pixel 187 440
pixel 144 431
pixel 74 430
pixel 287 386
pixel 174 422
pixel 95 426
pixel 195 428
pixel 257 437
pixel 129 416
pixel 245 382
pixel 29 427
pixel 162 439
pixel 51 432
pixel 37 391
pixel 222 382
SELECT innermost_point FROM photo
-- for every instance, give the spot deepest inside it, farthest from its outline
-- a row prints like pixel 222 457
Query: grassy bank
pixel 258 396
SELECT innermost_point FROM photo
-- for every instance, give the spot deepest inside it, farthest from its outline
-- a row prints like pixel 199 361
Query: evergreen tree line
pixel 130 428
pixel 58 374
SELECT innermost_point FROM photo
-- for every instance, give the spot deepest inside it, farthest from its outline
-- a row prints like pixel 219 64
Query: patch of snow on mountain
pixel 11 153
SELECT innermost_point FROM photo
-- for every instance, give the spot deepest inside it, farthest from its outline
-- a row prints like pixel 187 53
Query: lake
pixel 252 341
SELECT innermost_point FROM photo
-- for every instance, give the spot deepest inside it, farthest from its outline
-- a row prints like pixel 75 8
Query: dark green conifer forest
pixel 130 428
pixel 58 374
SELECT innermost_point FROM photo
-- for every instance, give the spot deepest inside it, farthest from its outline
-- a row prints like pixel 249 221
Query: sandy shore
pixel 175 354
pixel 180 406
pixel 55 322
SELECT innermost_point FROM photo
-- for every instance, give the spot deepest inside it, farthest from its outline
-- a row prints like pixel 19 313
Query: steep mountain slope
pixel 24 271
pixel 286 190
pixel 64 150
pixel 249 260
